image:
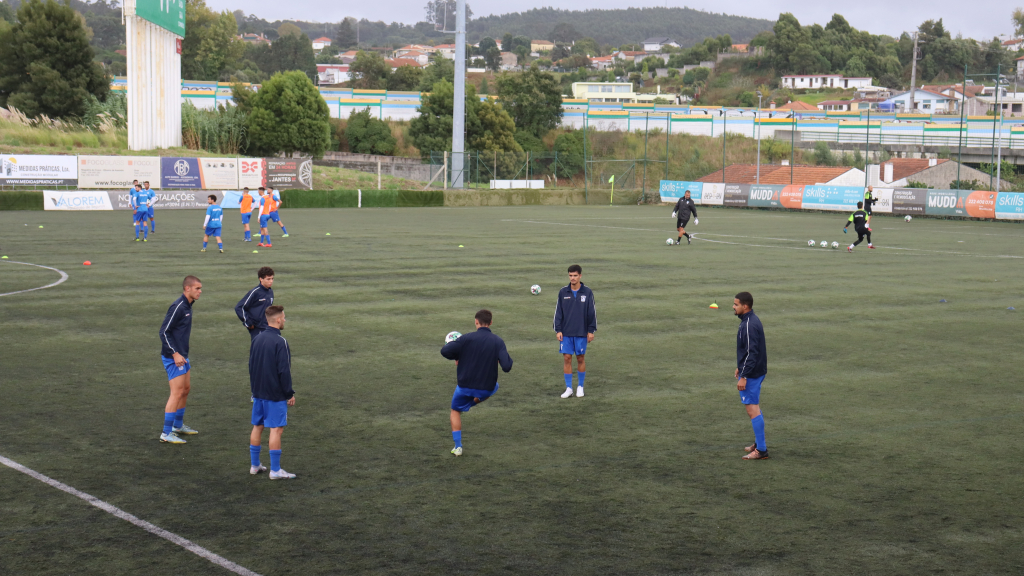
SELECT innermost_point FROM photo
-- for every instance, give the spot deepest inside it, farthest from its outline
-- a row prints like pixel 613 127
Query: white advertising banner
pixel 252 173
pixel 884 200
pixel 112 172
pixel 36 170
pixel 713 194
pixel 77 200
pixel 219 173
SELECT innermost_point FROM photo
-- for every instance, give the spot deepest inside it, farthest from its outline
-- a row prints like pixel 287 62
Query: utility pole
pixel 913 74
pixel 459 116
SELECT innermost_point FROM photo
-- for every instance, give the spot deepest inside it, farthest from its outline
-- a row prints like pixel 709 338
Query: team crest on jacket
pixel 583 298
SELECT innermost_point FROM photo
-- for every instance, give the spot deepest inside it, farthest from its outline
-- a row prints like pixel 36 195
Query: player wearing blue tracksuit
pixel 270 381
pixel 575 324
pixel 751 368
pixel 212 224
pixel 251 309
pixel 140 202
pixel 174 337
pixel 152 202
pixel 477 356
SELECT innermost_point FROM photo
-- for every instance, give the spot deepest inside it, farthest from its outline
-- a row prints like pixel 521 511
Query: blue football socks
pixel 220 245
pixel 204 244
pixel 254 455
pixel 284 230
pixel 275 460
pixel 168 421
pixel 457 436
pixel 582 376
pixel 758 425
pixel 145 231
pixel 136 230
pixel 179 417
pixel 152 225
pixel 248 235
pixel 568 380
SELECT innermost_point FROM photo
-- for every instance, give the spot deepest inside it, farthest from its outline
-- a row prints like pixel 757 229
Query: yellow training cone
pixel 713 306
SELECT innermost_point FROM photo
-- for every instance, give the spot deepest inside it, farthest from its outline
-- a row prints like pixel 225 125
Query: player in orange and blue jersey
pixel 267 205
pixel 274 216
pixel 246 207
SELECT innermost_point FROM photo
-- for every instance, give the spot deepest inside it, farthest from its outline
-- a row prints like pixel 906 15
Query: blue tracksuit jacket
pixel 176 328
pixel 252 308
pixel 575 316
pixel 270 366
pixel 479 354
pixel 751 354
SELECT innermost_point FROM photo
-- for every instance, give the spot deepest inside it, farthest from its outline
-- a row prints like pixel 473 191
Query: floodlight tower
pixel 459 111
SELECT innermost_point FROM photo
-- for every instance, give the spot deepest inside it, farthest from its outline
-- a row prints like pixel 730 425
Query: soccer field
pixel 893 420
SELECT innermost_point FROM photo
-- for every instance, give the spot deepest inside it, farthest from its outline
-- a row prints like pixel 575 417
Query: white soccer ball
pixel 810 242
pixel 908 218
pixel 535 289
pixel 452 336
pixel 669 242
pixel 835 245
pixel 824 243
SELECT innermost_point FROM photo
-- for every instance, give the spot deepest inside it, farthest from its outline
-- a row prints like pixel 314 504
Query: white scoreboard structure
pixel 154 30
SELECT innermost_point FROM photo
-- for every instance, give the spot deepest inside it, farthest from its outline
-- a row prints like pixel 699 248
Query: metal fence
pixel 478 168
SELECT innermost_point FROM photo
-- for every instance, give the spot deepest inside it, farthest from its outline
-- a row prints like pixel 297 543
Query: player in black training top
pixel 859 220
pixel 684 207
pixel 869 200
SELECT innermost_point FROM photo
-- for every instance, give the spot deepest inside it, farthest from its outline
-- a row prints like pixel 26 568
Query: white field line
pixel 148 527
pixel 63 277
pixel 701 234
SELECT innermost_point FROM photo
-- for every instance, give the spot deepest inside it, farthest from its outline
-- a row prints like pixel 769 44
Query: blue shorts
pixel 270 414
pixel 752 395
pixel 172 370
pixel 462 399
pixel 263 220
pixel 211 231
pixel 275 217
pixel 150 211
pixel 246 217
pixel 141 215
pixel 573 345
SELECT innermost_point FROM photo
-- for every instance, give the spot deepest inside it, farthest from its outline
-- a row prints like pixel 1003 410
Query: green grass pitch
pixel 894 421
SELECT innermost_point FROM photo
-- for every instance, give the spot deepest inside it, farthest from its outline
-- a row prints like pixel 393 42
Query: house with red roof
pixel 321 43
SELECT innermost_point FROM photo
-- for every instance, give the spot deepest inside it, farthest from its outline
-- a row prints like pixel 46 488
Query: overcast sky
pixel 979 19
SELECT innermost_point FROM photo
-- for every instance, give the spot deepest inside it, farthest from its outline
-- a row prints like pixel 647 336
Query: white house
pixel 1013 45
pixel 332 73
pixel 824 81
pixel 509 61
pixel 656 44
pixel 602 62
pixel 1020 67
pixel 925 101
pixel 321 43
pixel 446 50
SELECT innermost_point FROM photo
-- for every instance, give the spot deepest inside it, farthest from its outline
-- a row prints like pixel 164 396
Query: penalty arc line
pixel 63 277
pixel 147 526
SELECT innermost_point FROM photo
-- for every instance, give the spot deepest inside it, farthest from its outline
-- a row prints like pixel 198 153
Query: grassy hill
pixel 631 25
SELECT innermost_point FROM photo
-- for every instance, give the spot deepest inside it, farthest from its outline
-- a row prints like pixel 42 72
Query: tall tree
pixel 440 68
pixel 485 45
pixel 1018 22
pixel 405 78
pixel 442 13
pixel 506 42
pixel 533 99
pixel 346 36
pixel 210 45
pixel 488 126
pixel 46 63
pixel 288 29
pixel 564 33
pixel 369 71
pixel 293 52
pixel 288 115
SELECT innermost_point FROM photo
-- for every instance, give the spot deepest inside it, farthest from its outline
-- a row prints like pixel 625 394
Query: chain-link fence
pixel 477 169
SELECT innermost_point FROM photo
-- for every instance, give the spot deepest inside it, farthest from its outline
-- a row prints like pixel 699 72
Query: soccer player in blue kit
pixel 212 224
pixel 477 357
pixel 575 324
pixel 251 309
pixel 270 380
pixel 751 368
pixel 174 336
pixel 274 216
pixel 140 201
pixel 152 202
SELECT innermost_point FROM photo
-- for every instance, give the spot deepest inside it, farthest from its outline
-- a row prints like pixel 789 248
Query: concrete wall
pixel 940 176
pixel 409 168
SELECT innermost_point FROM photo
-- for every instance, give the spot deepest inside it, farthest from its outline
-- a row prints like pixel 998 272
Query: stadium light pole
pixel 867 144
pixel 459 109
pixel 960 140
pixel 757 118
pixel 725 124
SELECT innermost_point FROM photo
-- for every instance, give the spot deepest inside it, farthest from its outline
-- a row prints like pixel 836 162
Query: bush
pixel 569 148
pixel 221 130
pixel 288 115
pixel 823 155
pixel 368 135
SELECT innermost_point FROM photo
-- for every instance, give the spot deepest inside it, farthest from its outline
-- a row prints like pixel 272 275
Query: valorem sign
pixel 167 14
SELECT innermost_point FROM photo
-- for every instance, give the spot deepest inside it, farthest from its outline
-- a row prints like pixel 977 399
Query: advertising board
pixel 909 201
pixel 38 170
pixel 823 197
pixel 765 196
pixel 736 194
pixel 673 190
pixel 712 194
pixel 218 173
pixel 112 172
pixel 168 199
pixel 1010 206
pixel 883 200
pixel 167 14
pixel 76 200
pixel 286 173
pixel 252 172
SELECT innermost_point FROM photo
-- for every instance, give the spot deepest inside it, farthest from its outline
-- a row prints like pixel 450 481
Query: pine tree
pixel 46 63
pixel 346 35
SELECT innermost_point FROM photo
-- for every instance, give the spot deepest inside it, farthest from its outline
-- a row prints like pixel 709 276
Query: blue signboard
pixel 832 197
pixel 1010 206
pixel 672 190
pixel 180 173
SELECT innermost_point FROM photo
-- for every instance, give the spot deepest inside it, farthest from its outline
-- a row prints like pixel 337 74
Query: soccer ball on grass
pixel 810 242
pixel 835 245
pixel 452 336
pixel 535 289
pixel 669 242
pixel 824 243
pixel 908 218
